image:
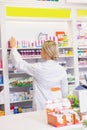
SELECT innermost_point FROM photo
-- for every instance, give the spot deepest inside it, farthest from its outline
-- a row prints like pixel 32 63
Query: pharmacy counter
pixel 31 121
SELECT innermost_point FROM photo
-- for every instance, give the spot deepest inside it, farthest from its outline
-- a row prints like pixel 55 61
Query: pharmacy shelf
pixel 25 27
pixel 82 47
pixel 66 56
pixel 66 47
pixel 22 101
pixel 19 25
pixel 83 66
pixel 2 85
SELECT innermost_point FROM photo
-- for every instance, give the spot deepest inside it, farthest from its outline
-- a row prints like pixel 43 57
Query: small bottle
pixel 15 110
pixel 12 109
pixel 19 110
pixel 1 79
pixel 0 63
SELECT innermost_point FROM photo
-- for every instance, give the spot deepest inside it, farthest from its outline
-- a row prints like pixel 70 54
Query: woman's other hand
pixel 12 42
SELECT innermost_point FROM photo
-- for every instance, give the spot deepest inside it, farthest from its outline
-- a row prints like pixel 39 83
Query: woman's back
pixel 48 75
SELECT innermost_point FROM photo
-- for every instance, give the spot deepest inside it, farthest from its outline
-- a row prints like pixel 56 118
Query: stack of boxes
pixel 60 113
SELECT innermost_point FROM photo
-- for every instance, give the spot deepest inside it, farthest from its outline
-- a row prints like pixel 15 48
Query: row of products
pixel 21 96
pixel 28 53
pixel 21 82
pixel 17 109
pixel 31 52
pixel 82 62
pixel 37 52
pixel 27 82
pixel 60 37
pixel 27 44
pixel 36 44
pixel 82 53
pixel 66 52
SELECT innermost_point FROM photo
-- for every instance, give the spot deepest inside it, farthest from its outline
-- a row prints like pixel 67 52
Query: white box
pixel 82 97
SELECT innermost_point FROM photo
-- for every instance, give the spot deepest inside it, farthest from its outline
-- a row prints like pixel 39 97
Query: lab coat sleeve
pixel 64 85
pixel 21 64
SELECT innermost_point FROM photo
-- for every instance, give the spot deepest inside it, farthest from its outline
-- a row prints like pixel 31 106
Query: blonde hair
pixel 51 49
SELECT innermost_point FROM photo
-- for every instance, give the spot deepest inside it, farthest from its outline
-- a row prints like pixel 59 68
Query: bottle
pixel 1 79
pixel 15 109
pixel 0 63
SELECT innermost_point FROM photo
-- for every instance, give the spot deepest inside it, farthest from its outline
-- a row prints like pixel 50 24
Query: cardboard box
pixel 2 113
pixel 58 115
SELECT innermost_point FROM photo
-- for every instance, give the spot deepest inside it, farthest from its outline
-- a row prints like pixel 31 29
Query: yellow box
pixel 2 113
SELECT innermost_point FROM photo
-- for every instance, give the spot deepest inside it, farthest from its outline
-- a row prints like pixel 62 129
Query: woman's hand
pixel 12 42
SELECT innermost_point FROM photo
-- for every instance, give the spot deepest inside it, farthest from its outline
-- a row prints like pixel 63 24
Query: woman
pixel 46 75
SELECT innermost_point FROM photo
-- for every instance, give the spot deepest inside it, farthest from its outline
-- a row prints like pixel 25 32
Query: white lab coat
pixel 45 75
